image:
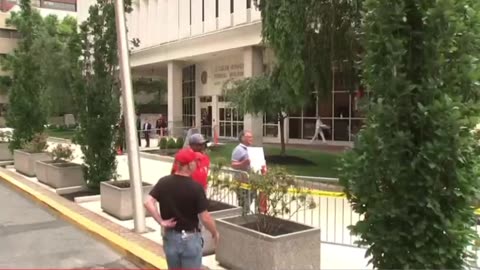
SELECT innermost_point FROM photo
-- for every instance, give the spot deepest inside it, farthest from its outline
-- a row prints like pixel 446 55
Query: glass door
pixel 231 122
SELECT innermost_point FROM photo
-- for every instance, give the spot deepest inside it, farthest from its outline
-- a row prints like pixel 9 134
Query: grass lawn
pixel 60 133
pixel 319 163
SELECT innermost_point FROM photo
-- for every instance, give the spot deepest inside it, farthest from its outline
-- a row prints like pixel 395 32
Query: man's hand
pixel 169 223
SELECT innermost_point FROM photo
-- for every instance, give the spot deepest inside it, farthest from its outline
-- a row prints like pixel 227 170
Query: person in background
pixel 241 162
pixel 183 204
pixel 139 128
pixel 147 128
pixel 161 126
pixel 197 143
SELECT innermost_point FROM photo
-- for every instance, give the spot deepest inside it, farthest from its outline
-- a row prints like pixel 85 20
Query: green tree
pixel 262 94
pixel 309 39
pixel 51 45
pixel 413 173
pixel 98 96
pixel 26 113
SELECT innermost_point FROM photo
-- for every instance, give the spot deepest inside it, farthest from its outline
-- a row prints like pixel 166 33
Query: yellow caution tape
pixel 322 193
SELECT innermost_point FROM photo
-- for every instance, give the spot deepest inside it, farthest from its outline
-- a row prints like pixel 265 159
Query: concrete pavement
pixel 32 237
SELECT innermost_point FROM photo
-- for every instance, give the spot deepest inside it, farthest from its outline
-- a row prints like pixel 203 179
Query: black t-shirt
pixel 181 198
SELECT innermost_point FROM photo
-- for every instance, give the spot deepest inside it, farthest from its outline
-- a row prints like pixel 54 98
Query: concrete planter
pixel 116 200
pixel 24 162
pixel 60 174
pixel 5 153
pixel 217 210
pixel 241 247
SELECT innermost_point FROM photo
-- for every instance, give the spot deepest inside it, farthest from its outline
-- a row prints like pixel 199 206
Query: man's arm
pixel 239 162
pixel 151 206
pixel 209 223
pixel 240 165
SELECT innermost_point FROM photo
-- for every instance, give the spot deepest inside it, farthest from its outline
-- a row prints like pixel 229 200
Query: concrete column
pixel 175 99
pixel 253 65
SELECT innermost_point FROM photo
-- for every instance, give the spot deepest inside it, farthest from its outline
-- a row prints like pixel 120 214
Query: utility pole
pixel 130 121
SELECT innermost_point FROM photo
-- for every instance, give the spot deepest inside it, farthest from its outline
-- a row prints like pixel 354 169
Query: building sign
pixel 223 73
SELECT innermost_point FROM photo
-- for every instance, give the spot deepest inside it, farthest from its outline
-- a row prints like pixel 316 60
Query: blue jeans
pixel 183 251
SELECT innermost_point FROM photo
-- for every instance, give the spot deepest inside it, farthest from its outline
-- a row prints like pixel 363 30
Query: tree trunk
pixel 282 135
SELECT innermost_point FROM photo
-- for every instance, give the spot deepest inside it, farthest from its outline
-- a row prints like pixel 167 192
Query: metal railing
pixel 332 212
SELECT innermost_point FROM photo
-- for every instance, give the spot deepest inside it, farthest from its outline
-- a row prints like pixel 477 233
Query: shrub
pixel 180 142
pixel 5 136
pixel 163 143
pixel 171 144
pixel 37 145
pixel 62 153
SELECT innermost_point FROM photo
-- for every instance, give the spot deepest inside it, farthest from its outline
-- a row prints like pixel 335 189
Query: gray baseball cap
pixel 197 139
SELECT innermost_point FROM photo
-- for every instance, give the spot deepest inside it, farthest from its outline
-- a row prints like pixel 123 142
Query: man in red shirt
pixel 198 144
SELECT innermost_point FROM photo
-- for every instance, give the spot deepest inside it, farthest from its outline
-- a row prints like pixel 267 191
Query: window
pixel 188 96
pixel 9 33
pixel 232 9
pixel 339 110
pixel 270 126
pixel 216 8
pixel 249 4
pixel 59 5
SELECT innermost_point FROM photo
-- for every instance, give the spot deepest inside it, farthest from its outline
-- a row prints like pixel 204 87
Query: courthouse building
pixel 197 45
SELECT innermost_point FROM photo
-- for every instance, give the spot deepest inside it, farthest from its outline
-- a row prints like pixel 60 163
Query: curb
pixel 132 250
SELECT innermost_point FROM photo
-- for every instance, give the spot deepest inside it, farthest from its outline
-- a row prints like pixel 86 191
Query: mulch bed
pixel 71 196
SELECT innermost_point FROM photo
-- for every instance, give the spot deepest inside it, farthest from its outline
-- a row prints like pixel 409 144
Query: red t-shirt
pixel 200 175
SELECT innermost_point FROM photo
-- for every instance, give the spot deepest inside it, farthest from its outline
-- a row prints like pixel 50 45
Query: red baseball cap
pixel 185 156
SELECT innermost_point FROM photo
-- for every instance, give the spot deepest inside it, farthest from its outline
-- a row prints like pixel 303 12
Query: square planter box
pixel 5 153
pixel 217 210
pixel 116 198
pixel 295 246
pixel 60 174
pixel 24 162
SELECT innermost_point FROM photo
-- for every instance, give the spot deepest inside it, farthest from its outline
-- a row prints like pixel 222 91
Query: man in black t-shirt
pixel 182 201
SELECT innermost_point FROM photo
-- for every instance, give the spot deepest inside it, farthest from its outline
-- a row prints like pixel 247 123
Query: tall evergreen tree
pixel 26 114
pixel 97 94
pixel 413 173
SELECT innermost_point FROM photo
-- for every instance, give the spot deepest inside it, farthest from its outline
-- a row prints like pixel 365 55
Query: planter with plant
pixel 24 160
pixel 116 198
pixel 5 153
pixel 268 232
pixel 217 193
pixel 60 172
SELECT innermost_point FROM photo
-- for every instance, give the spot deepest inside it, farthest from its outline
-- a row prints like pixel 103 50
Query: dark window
pixel 232 9
pixel 9 33
pixel 249 4
pixel 216 8
pixel 188 97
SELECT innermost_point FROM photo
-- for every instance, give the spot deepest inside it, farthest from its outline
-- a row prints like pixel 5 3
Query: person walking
pixel 198 144
pixel 241 162
pixel 319 127
pixel 183 204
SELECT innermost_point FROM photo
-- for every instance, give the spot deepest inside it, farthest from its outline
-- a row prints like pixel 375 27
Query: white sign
pixel 257 158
